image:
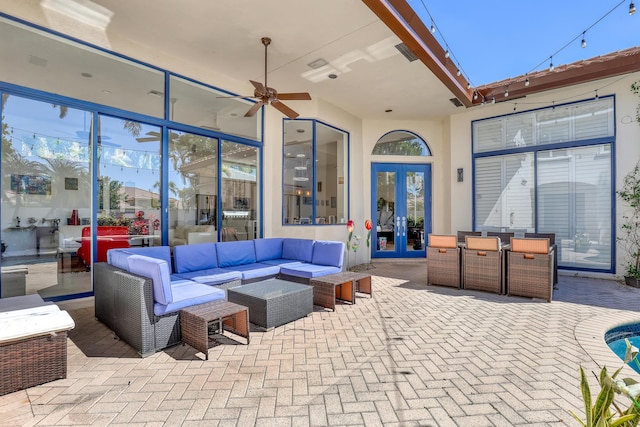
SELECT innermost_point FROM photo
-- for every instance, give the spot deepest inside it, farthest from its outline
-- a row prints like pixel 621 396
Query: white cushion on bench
pixel 34 324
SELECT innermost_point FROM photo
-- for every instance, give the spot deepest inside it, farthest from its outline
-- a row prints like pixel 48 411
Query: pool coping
pixel 590 335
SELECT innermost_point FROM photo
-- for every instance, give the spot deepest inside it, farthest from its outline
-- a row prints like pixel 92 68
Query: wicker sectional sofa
pixel 139 291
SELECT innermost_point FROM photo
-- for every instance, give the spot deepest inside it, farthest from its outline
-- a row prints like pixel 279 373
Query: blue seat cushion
pixel 268 249
pixel 309 271
pixel 236 253
pixel 256 270
pixel 187 293
pixel 280 262
pixel 199 256
pixel 327 252
pixel 118 257
pixel 211 276
pixel 158 271
pixel 297 249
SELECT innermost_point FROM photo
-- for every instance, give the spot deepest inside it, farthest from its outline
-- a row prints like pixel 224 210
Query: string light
pixel 446 53
pixel 506 92
pixel 475 95
pixel 583 42
pixel 433 28
pixel 458 72
pixel 526 82
pixel 596 94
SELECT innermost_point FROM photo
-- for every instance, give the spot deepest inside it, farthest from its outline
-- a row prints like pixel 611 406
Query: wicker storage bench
pixel 273 302
pixel 33 342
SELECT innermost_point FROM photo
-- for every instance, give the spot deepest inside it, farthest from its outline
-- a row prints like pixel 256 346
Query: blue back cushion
pixel 119 257
pixel 327 252
pixel 270 248
pixel 298 249
pixel 199 256
pixel 236 253
pixel 157 270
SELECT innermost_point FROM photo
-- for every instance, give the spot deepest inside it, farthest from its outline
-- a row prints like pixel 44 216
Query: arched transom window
pixel 401 143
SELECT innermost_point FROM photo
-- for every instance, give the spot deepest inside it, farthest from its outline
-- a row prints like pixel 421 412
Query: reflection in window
pixel 240 202
pixel 46 196
pixel 129 178
pixel 211 109
pixel 193 188
pixel 401 143
pixel 315 173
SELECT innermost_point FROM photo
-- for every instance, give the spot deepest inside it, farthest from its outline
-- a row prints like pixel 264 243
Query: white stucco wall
pixel 627 147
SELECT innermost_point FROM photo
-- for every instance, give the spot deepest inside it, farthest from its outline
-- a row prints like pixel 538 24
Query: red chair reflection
pixel 109 237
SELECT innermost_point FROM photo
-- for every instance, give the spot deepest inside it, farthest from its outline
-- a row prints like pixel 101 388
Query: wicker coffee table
pixel 273 302
pixel 326 289
pixel 195 321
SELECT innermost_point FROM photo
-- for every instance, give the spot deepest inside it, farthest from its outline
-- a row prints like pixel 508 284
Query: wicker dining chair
pixel 552 244
pixel 530 268
pixel 482 264
pixel 443 261
pixel 505 236
pixel 463 234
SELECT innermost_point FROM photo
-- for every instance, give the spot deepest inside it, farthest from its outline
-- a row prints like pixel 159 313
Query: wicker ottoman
pixel 273 302
pixel 33 342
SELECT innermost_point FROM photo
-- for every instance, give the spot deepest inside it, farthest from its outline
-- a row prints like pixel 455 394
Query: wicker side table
pixel 195 320
pixel 326 289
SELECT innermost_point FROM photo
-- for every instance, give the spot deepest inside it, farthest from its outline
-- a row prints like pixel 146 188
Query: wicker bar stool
pixel 531 268
pixel 443 261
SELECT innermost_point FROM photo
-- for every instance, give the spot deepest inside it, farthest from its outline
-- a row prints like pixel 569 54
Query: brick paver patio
pixel 415 355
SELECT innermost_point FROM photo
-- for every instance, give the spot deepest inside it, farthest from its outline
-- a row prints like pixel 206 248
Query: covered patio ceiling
pixel 356 43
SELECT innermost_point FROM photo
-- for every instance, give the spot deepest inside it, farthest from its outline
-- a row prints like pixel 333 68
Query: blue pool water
pixel 615 340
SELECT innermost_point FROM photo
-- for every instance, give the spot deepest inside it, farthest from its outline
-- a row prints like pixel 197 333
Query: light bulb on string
pixel 596 94
pixel 469 85
pixel 506 92
pixel 583 43
pixel 446 53
pixel 632 8
pixel 433 28
pixel 458 72
pixel 475 95
pixel 493 100
pixel 551 67
pixel 526 82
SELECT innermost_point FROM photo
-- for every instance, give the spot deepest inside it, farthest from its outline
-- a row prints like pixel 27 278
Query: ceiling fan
pixel 269 96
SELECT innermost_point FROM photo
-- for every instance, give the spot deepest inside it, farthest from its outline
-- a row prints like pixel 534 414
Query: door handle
pixel 398 226
pixel 404 226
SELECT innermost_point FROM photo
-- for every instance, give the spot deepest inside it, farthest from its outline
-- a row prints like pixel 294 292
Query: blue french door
pixel 401 206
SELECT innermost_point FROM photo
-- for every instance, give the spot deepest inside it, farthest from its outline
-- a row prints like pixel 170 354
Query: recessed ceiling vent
pixel 406 52
pixel 456 102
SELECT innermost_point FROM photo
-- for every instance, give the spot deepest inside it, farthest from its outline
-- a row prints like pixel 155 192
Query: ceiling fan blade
pixel 254 109
pixel 284 109
pixel 296 96
pixel 259 86
pixel 235 96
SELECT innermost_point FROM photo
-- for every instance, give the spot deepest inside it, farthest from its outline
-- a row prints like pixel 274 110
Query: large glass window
pixel 539 187
pixel 46 198
pixel 212 109
pixel 129 180
pixel 193 188
pixel 240 202
pixel 315 169
pixel 57 65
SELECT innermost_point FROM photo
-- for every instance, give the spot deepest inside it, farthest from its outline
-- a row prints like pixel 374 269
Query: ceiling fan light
pixel 300 178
